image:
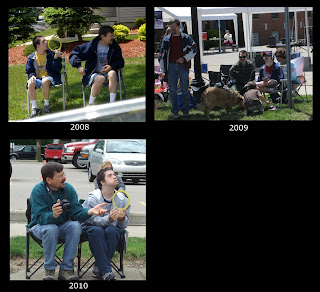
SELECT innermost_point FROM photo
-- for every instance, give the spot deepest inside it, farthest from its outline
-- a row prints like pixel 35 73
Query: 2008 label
pixel 79 127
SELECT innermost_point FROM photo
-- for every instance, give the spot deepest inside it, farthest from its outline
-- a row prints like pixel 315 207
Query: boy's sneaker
pixel 186 114
pixel 46 109
pixel 67 275
pixel 96 272
pixel 48 275
pixel 35 112
pixel 108 277
pixel 175 116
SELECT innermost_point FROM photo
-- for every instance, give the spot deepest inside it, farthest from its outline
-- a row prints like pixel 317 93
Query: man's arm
pixel 117 61
pixel 78 55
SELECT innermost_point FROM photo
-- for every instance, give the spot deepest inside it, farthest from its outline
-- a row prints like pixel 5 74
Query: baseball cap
pixel 268 53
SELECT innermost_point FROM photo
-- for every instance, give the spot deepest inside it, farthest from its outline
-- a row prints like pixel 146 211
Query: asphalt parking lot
pixel 26 174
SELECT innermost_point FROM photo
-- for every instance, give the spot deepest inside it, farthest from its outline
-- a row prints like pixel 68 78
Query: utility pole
pixel 288 48
pixel 197 81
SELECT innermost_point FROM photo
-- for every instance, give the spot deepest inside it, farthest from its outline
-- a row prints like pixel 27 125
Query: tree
pixel 38 150
pixel 20 20
pixel 73 20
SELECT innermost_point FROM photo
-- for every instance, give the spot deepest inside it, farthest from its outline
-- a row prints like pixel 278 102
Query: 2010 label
pixel 76 285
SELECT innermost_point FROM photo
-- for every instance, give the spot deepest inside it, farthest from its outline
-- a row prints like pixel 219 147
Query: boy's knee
pixel 46 82
pixel 96 232
pixel 111 231
pixel 99 79
pixel 112 75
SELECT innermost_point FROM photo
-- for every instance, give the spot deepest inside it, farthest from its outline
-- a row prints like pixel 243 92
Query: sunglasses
pixel 242 57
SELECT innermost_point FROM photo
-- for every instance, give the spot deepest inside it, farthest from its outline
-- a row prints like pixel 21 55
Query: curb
pixel 136 219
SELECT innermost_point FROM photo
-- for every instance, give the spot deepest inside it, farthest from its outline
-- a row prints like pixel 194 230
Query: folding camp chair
pixel 121 248
pixel 225 76
pixel 215 77
pixel 121 83
pixel 64 82
pixel 299 64
pixel 39 242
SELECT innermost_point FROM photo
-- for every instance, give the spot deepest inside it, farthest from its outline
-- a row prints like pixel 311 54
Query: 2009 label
pixel 79 127
pixel 238 128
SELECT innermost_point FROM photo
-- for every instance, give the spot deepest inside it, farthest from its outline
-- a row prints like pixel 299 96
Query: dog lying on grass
pixel 214 96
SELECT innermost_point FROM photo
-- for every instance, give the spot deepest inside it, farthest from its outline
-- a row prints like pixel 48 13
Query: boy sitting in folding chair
pixel 43 70
pixel 103 58
pixel 50 219
pixel 103 231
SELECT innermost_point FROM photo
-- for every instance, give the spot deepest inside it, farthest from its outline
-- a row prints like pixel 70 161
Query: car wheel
pixel 91 177
pixel 75 161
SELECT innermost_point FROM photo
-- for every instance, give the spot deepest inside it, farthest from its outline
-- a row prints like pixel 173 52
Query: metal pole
pixel 198 81
pixel 288 48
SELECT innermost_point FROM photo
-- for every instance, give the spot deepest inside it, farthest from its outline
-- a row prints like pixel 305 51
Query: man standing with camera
pixel 54 204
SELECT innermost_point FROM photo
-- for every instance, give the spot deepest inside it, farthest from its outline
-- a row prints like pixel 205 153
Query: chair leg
pixel 63 96
pixel 79 258
pixel 119 78
pixel 27 254
pixel 67 86
pixel 28 102
pixel 84 95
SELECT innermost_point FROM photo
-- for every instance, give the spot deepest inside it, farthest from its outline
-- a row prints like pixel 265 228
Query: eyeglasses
pixel 278 56
pixel 242 57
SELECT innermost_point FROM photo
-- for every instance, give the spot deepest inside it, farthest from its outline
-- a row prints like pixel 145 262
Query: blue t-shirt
pixel 102 52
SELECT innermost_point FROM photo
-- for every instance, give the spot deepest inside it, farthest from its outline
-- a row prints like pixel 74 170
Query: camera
pixel 65 204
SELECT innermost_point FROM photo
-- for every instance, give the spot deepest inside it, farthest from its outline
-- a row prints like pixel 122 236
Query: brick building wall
pixel 266 24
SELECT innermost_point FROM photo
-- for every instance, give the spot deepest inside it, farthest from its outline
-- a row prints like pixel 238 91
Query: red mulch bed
pixel 129 48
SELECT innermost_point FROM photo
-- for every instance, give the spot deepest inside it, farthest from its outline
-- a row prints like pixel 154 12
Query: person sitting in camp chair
pixel 242 72
pixel 43 70
pixel 52 218
pixel 269 77
pixel 104 231
pixel 103 58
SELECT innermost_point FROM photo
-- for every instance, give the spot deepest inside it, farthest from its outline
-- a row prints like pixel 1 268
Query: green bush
pixel 28 50
pixel 139 21
pixel 142 32
pixel 120 32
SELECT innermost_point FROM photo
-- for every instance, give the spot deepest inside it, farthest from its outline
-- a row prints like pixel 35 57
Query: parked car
pixel 53 152
pixel 84 155
pixel 26 152
pixel 128 158
pixel 71 151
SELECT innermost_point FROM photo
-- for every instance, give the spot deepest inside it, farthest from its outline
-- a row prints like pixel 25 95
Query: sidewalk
pixel 19 229
pixel 131 273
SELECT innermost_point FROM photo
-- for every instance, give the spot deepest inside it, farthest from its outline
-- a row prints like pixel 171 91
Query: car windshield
pixel 114 146
pixel 55 146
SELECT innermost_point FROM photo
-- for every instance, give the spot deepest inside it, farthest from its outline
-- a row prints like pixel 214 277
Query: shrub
pixel 120 32
pixel 139 21
pixel 29 49
pixel 142 32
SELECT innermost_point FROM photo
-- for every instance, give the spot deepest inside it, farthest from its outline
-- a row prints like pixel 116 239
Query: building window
pixel 255 16
pixel 274 15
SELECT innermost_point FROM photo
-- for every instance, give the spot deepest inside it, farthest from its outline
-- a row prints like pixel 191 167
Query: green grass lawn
pixel 302 110
pixel 134 79
pixel 136 249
